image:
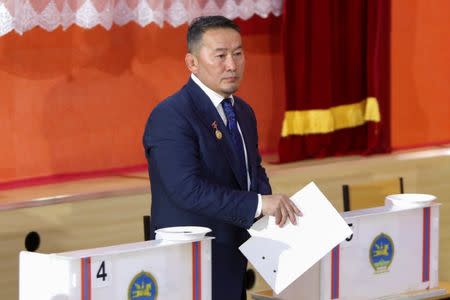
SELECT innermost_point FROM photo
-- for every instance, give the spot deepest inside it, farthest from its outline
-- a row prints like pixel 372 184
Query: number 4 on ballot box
pixel 101 272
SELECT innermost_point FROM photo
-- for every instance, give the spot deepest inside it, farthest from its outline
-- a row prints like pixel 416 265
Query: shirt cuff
pixel 259 208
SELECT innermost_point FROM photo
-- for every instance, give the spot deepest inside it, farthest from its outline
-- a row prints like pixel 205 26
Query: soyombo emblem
pixel 381 253
pixel 143 287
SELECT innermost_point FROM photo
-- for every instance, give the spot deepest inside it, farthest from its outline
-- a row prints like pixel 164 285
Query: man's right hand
pixel 281 207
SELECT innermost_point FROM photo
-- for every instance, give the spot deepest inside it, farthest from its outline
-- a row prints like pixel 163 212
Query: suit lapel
pixel 208 114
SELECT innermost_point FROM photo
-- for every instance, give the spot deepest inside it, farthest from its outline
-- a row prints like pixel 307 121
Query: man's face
pixel 219 60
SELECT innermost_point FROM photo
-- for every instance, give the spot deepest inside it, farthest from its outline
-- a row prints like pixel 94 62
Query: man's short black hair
pixel 202 24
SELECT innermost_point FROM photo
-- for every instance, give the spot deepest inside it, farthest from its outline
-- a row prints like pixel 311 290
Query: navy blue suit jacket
pixel 195 179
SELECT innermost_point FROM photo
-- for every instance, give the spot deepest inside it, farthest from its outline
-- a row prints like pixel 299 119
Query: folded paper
pixel 281 255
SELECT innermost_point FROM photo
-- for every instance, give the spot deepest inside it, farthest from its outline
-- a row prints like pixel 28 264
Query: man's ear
pixel 191 63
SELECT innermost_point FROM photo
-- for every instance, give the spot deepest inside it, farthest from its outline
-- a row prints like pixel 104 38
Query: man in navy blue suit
pixel 202 149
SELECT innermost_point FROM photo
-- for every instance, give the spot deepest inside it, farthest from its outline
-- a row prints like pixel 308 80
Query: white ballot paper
pixel 281 255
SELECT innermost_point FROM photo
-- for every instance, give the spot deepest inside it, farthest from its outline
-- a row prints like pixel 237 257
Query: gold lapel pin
pixel 217 132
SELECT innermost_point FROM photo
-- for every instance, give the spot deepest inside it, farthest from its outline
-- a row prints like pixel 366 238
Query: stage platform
pixel 108 210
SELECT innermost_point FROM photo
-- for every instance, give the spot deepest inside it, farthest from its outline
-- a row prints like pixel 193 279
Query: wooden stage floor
pixel 108 210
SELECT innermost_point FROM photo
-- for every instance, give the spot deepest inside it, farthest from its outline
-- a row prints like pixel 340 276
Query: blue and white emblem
pixel 143 287
pixel 381 253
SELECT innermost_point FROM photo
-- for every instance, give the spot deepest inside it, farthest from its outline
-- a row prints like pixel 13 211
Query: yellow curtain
pixel 314 121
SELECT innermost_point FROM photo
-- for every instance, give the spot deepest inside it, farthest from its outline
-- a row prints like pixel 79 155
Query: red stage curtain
pixel 337 78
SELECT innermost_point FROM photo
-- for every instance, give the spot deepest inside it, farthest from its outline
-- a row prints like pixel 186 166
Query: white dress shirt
pixel 216 100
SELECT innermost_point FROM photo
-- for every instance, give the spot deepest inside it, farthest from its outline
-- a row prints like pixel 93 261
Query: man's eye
pixel 237 53
pixel 220 56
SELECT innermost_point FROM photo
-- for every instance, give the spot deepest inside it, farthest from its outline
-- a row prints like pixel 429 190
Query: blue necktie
pixel 235 135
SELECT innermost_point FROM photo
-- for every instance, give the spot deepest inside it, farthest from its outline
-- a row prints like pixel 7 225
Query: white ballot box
pixel 158 269
pixel 392 254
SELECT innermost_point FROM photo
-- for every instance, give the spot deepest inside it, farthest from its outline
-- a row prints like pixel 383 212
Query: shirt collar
pixel 215 98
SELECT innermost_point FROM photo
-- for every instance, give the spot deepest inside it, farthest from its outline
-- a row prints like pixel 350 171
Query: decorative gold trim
pixel 314 121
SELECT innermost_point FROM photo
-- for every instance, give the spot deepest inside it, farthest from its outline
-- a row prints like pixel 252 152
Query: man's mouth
pixel 231 78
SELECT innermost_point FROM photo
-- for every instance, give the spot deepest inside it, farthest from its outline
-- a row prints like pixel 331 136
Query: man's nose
pixel 230 63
